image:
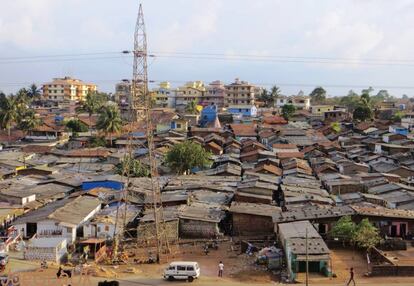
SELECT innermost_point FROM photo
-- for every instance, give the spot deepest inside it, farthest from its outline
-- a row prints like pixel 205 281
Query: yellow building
pixel 67 89
pixel 191 91
pixel 161 94
pixel 321 109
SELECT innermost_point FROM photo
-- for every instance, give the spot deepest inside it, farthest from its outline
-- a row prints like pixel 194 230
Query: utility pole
pixel 307 258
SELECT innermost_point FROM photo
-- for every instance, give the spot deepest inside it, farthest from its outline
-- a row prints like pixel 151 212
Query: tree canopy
pixel 318 95
pixel 288 110
pixel 185 156
pixel 191 107
pixel 366 235
pixel 362 113
pixel 76 126
pixel 344 229
pixel 133 168
pixel 109 120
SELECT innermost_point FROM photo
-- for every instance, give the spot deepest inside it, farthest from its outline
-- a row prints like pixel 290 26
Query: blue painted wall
pixel 208 114
pixel 102 184
pixel 251 111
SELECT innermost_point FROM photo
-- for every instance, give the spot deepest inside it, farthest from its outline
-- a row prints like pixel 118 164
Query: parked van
pixel 184 270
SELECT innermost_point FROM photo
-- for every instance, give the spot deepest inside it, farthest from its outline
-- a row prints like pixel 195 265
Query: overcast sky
pixel 361 34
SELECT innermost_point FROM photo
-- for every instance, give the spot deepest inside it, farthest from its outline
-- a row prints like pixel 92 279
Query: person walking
pixel 351 277
pixel 221 268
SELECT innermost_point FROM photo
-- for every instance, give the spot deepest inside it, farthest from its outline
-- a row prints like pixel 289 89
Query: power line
pixel 210 56
pixel 282 84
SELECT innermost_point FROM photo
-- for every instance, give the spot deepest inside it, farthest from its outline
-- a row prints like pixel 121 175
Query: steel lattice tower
pixel 141 111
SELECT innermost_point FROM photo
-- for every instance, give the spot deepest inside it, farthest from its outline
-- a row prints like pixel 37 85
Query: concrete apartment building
pixel 240 93
pixel 191 91
pixel 123 93
pixel 301 102
pixel 161 94
pixel 67 89
pixel 214 94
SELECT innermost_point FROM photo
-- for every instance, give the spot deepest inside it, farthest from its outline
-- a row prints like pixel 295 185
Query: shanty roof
pixel 254 209
pixel 202 212
pixel 298 229
pixel 312 213
pixel 70 212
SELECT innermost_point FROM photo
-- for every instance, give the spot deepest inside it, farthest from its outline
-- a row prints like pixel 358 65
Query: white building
pixel 408 120
pixel 60 219
pixel 298 101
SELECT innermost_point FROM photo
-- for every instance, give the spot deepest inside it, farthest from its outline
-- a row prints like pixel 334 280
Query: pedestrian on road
pixel 221 268
pixel 351 278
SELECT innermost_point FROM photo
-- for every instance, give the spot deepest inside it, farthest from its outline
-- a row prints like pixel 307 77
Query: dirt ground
pixel 239 270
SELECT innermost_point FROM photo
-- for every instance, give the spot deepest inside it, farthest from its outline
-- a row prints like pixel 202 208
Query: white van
pixel 184 270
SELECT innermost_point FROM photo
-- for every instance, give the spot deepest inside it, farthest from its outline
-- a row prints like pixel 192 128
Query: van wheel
pixel 170 278
pixel 190 279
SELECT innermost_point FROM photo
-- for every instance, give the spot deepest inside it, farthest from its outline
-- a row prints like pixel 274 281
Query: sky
pixel 295 44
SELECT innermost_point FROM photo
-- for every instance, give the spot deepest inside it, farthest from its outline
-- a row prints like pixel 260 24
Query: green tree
pixel 336 127
pixel 344 229
pixel 187 155
pixel 191 107
pixel 362 113
pixel 93 102
pixel 97 142
pixel 397 116
pixel 366 235
pixel 318 95
pixel 34 92
pixel 28 121
pixel 8 112
pixel 274 94
pixel 265 96
pixel 133 168
pixel 288 110
pixel 350 101
pixel 109 120
pixel 76 126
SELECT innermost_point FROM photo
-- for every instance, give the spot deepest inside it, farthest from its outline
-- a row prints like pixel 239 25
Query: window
pixel 190 268
pixel 106 227
pixel 99 229
pixel 319 109
pixel 181 268
pixel 171 268
pixel 178 125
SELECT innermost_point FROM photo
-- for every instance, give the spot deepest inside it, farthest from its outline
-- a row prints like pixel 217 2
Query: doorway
pixel 31 229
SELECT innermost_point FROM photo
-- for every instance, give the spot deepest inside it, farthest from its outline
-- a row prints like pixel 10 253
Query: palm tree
pixel 274 93
pixel 28 121
pixel 8 112
pixel 109 120
pixel 191 107
pixel 33 91
pixel 92 103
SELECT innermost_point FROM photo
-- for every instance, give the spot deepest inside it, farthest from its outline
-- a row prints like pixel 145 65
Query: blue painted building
pixel 208 114
pixel 245 110
pixel 398 130
pixel 109 184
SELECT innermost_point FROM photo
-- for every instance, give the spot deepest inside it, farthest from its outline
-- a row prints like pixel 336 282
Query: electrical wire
pixel 210 56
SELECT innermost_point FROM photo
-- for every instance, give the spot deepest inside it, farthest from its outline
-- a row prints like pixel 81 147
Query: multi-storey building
pixel 240 93
pixel 299 101
pixel 123 93
pixel 214 94
pixel 191 91
pixel 67 89
pixel 161 94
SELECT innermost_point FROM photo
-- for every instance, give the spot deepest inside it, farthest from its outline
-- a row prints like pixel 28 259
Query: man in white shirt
pixel 221 268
